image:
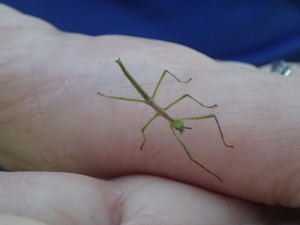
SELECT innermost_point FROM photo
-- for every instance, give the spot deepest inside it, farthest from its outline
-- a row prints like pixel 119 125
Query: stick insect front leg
pixel 202 117
pixel 206 117
pixel 172 125
pixel 190 155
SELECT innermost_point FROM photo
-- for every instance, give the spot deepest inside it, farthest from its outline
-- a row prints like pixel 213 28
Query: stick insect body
pixel 176 124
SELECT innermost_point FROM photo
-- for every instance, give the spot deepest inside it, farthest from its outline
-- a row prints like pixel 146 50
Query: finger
pixel 17 220
pixel 258 115
pixel 63 198
pixel 160 201
pixel 54 198
pixel 52 118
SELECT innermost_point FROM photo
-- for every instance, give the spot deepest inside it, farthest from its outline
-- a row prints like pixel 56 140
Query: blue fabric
pixel 254 31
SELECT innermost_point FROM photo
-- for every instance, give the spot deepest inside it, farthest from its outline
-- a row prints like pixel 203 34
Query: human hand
pixel 52 118
pixel 71 199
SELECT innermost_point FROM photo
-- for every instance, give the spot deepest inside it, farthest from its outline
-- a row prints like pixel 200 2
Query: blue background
pixel 254 31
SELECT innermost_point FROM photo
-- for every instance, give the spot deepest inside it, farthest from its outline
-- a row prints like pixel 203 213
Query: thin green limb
pixel 209 116
pixel 144 128
pixel 162 77
pixel 191 157
pixel 174 123
pixel 183 97
pixel 122 98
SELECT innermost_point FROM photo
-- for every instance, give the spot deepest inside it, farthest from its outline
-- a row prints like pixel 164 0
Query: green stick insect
pixel 175 124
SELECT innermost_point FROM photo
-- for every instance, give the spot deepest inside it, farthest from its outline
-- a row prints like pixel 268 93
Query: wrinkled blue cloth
pixel 252 31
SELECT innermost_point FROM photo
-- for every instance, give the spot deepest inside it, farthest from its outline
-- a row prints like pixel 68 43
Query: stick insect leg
pixel 162 77
pixel 144 128
pixel 187 95
pixel 191 157
pixel 216 119
pixel 121 98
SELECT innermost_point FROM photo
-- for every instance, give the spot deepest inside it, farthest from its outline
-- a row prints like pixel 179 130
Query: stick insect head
pixel 178 125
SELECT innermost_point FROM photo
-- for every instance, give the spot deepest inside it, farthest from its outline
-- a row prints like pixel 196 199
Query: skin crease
pixel 51 119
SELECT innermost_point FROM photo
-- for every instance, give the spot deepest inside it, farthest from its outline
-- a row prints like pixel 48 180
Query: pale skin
pixel 51 119
pixel 174 123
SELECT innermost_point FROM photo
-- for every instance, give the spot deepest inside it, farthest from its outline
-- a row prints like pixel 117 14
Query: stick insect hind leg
pixel 162 77
pixel 174 123
pixel 122 98
pixel 153 95
pixel 133 100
